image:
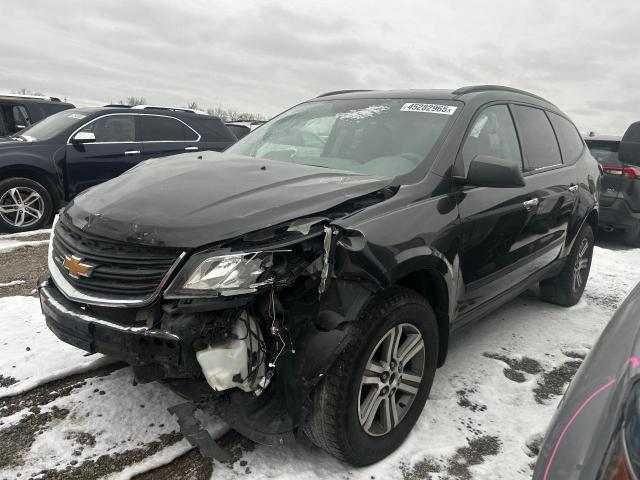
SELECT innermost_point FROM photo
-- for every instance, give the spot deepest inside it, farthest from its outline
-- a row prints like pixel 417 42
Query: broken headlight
pixel 207 274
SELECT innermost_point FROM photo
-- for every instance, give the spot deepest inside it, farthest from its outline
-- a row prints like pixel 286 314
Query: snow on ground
pixel 496 394
pixel 13 241
pixel 31 354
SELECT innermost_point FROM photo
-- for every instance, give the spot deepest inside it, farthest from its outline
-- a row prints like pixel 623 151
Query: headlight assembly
pixel 211 274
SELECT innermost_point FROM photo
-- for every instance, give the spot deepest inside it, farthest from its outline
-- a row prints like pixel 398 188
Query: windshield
pixel 390 137
pixel 51 126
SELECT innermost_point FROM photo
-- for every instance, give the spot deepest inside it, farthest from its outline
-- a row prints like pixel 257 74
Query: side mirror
pixel 84 137
pixel 629 151
pixel 488 171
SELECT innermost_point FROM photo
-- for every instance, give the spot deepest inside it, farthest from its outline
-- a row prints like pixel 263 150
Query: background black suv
pixel 49 163
pixel 20 111
pixel 620 193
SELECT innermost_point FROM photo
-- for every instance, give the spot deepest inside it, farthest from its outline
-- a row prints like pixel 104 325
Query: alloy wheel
pixel 21 206
pixel 391 379
pixel 581 266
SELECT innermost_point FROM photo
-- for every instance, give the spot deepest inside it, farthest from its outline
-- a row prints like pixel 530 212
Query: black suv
pixel 620 195
pixel 310 278
pixel 20 111
pixel 49 163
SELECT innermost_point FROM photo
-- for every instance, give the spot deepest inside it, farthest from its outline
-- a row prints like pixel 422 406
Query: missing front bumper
pixel 137 346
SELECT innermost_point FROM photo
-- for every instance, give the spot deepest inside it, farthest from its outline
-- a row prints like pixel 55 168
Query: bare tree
pixel 193 105
pixel 230 115
pixel 26 91
pixel 133 101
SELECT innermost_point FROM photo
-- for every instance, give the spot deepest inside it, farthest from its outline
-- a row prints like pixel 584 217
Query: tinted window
pixel 113 128
pixel 570 140
pixel 16 117
pixel 239 130
pixel 606 153
pixel 539 143
pixel 492 134
pixel 159 129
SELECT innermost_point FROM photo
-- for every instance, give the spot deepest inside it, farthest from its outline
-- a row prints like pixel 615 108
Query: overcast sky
pixel 265 56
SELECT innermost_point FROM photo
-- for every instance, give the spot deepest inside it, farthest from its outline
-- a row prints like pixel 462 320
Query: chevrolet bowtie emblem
pixel 75 267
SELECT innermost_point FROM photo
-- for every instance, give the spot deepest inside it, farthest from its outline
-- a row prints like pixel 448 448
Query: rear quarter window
pixel 212 129
pixel 571 143
pixel 537 138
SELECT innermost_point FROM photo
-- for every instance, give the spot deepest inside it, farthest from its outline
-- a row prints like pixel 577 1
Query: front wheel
pixel 24 205
pixel 371 398
pixel 566 289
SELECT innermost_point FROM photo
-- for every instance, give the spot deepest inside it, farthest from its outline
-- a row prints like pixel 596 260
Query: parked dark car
pixel 620 195
pixel 49 163
pixel 241 128
pixel 309 279
pixel 595 433
pixel 20 111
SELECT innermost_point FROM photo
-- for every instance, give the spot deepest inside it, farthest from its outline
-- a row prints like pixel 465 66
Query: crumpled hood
pixel 194 199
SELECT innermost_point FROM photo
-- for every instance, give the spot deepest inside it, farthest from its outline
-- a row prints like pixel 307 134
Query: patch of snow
pixel 31 353
pixel 117 415
pixel 160 459
pixel 25 234
pixel 11 245
pixel 12 283
pixel 370 111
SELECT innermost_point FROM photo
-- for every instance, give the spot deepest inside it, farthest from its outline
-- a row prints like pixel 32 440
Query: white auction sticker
pixel 428 108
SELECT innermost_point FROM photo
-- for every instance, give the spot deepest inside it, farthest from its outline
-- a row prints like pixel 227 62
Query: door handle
pixel 573 188
pixel 529 204
pixel 132 152
pixel 191 149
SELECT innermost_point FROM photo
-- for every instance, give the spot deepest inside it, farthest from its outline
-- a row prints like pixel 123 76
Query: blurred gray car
pixel 595 433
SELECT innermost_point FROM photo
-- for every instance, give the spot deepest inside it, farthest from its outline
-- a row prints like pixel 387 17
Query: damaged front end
pixel 244 329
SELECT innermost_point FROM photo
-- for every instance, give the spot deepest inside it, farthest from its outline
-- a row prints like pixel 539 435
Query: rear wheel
pixel 566 289
pixel 632 235
pixel 369 401
pixel 24 205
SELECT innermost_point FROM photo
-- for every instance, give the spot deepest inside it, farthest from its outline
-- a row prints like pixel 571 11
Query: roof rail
pixel 253 122
pixel 35 97
pixel 484 88
pixel 117 105
pixel 173 109
pixel 338 92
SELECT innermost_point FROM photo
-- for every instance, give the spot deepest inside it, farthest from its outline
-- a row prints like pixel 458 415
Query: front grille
pixel 118 268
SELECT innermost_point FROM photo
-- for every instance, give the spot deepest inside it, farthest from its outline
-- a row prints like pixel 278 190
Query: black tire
pixel 44 205
pixel 564 289
pixel 334 423
pixel 632 235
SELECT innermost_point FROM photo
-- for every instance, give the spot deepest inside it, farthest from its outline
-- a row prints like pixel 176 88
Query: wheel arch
pixel 426 277
pixel 37 174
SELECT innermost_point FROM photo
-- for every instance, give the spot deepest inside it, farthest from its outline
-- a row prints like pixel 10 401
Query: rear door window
pixel 492 134
pixel 539 144
pixel 164 129
pixel 113 129
pixel 571 144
